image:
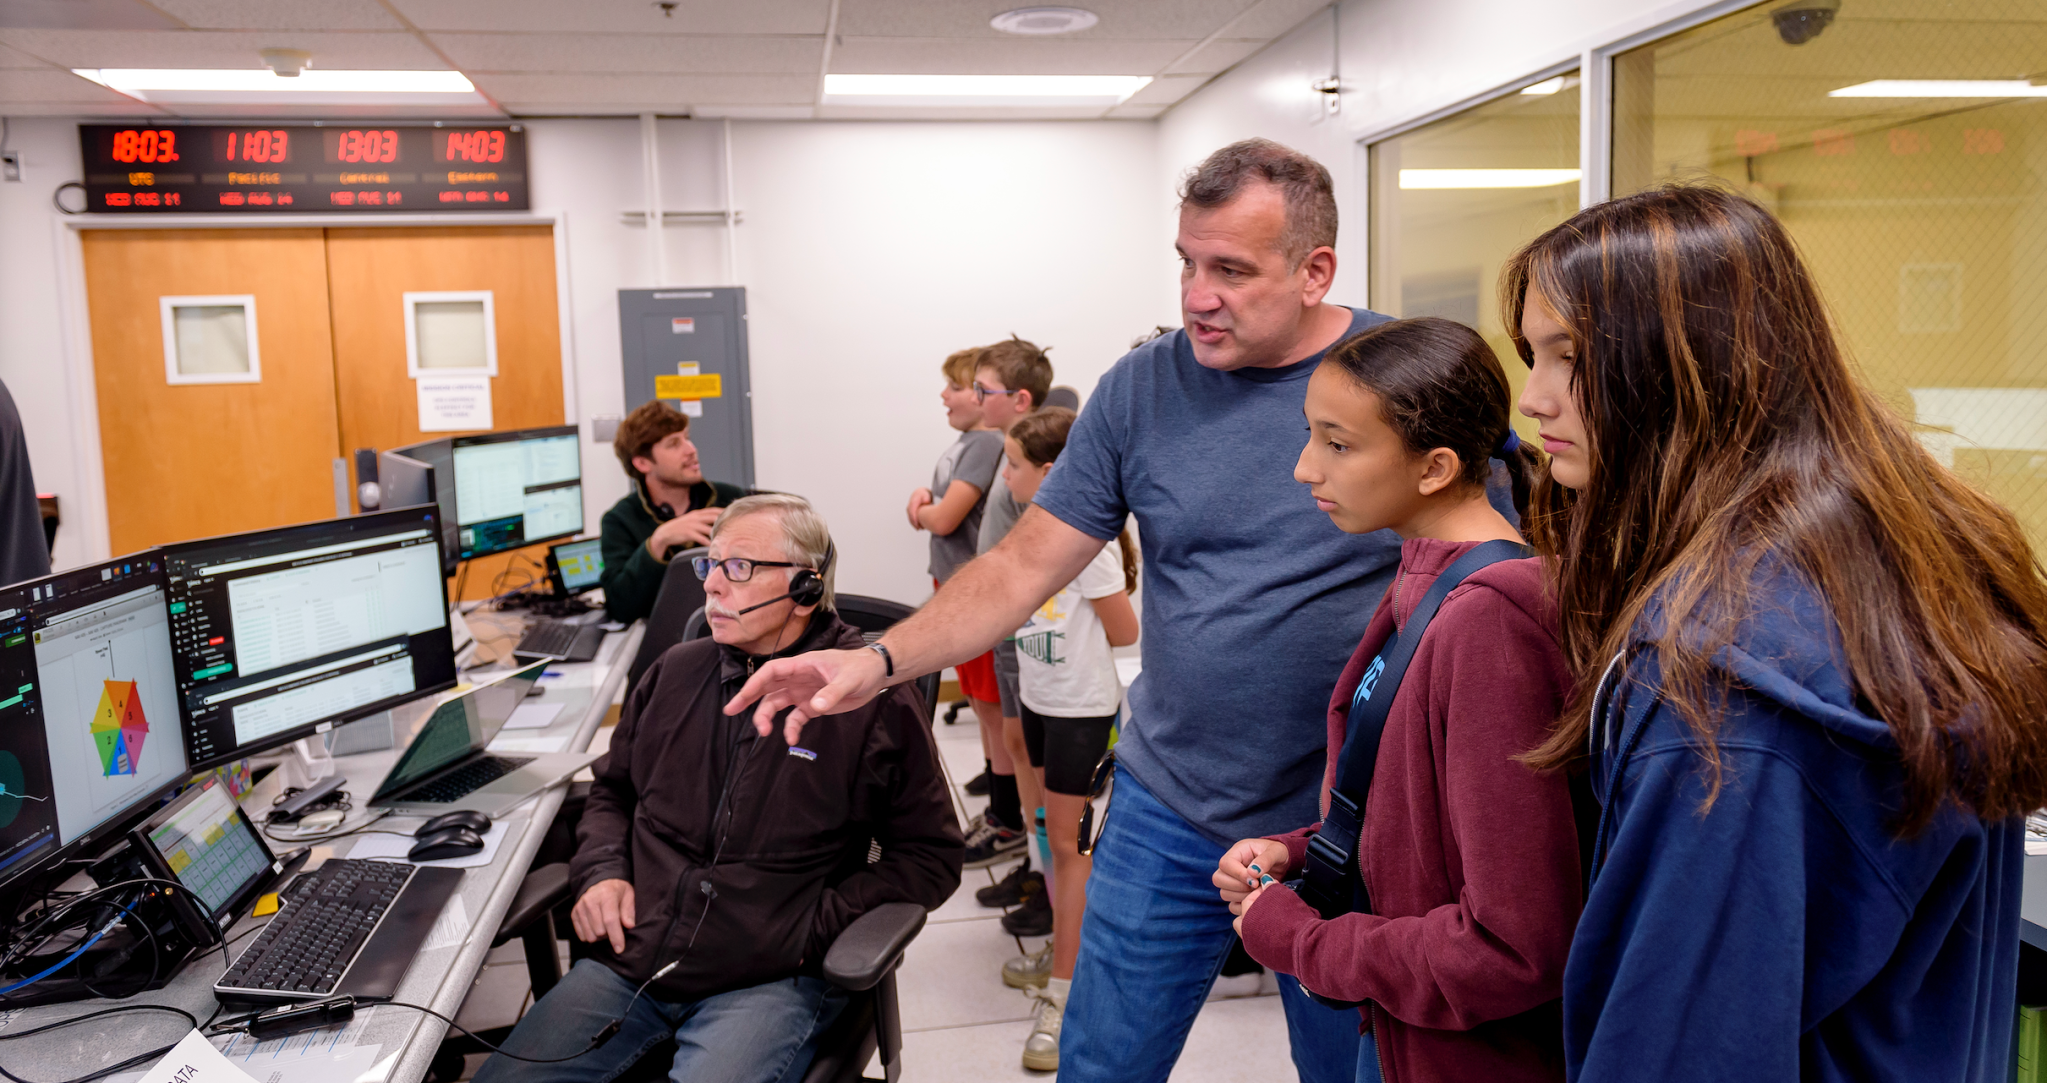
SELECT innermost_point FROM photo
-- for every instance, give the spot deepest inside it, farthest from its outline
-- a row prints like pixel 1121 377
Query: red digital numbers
pixel 145 145
pixel 362 146
pixel 273 145
pixel 480 146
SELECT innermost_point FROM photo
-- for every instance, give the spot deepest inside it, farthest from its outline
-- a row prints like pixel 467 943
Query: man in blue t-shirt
pixel 1252 604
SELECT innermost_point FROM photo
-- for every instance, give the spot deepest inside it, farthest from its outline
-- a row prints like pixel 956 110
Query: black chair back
pixel 681 597
pixel 872 616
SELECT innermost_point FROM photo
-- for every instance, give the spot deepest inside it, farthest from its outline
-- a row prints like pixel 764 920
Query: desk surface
pixel 383 1044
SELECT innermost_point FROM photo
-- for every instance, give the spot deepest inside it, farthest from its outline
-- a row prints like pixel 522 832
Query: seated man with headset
pixel 714 867
pixel 671 507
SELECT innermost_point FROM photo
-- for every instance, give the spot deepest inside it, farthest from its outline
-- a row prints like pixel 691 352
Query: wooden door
pixel 369 271
pixel 189 461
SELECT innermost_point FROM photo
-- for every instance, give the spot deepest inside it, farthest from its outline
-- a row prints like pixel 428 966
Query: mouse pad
pixel 395 846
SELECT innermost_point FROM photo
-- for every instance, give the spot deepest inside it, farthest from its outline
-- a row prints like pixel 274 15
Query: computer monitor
pixel 576 566
pixel 516 488
pixel 283 633
pixel 424 473
pixel 28 816
pixel 106 694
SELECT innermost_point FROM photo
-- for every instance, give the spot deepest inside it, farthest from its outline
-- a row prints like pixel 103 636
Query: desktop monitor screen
pixel 578 565
pixel 104 675
pixel 283 633
pixel 28 818
pixel 431 463
pixel 516 488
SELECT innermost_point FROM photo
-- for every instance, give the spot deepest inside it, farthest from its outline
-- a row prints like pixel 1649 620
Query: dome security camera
pixel 1802 20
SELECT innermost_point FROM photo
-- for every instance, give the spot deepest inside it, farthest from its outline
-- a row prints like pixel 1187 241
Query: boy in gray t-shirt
pixel 969 464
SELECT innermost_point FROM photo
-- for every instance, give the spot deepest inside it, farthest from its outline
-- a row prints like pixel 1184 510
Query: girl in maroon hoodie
pixel 1469 856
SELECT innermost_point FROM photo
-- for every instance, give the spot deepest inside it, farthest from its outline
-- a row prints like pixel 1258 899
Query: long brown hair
pixel 1726 429
pixel 1041 436
pixel 1440 385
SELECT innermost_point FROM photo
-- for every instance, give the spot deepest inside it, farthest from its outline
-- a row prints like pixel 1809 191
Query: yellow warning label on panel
pixel 689 387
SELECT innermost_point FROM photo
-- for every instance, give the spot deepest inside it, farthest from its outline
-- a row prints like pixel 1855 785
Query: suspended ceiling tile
pixel 618 53
pixel 1015 56
pixel 1154 19
pixel 23 87
pixel 1271 19
pixel 755 112
pixel 282 14
pixel 83 15
pixel 662 93
pixel 620 16
pixel 891 112
pixel 1126 111
pixel 221 48
pixel 1217 56
pixel 1167 90
pixel 12 58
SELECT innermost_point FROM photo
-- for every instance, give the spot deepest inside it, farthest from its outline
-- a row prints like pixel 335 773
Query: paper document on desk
pixel 389 846
pixel 533 716
pixel 530 744
pixel 336 1054
pixel 194 1060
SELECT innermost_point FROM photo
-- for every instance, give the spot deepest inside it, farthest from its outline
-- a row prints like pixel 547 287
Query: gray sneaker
pixel 1029 971
pixel 1041 1049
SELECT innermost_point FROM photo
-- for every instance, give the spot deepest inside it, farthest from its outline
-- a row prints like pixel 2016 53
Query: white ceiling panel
pixel 1167 89
pixel 1127 111
pixel 1272 18
pixel 925 112
pixel 84 15
pixel 663 93
pixel 11 58
pixel 1217 56
pixel 1154 19
pixel 1015 56
pixel 620 16
pixel 22 87
pixel 220 48
pixel 281 14
pixel 620 53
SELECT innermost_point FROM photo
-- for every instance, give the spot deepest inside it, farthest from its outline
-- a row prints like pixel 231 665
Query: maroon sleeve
pixel 1296 848
pixel 1492 681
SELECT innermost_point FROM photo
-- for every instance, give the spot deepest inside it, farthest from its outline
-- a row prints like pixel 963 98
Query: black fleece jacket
pixel 688 795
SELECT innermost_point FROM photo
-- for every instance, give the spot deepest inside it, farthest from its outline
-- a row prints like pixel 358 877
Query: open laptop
pixel 448 766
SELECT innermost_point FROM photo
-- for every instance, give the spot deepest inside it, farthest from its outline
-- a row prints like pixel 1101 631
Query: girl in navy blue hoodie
pixel 1812 681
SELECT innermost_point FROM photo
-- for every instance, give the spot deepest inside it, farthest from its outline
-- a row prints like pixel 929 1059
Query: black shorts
pixel 1067 748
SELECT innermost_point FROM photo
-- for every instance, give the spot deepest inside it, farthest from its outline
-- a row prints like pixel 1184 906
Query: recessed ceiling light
pixel 1941 88
pixel 253 85
pixel 1042 21
pixel 1486 178
pixel 981 89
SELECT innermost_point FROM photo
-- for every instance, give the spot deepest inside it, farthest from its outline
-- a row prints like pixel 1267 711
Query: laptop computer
pixel 448 765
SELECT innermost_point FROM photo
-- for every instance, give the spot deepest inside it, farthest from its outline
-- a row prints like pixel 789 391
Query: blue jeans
pixel 760 1034
pixel 1155 935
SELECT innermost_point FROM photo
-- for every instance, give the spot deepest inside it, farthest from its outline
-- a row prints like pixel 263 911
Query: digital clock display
pixel 202 168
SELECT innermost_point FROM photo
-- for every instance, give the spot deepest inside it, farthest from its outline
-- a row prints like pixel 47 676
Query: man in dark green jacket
pixel 671 507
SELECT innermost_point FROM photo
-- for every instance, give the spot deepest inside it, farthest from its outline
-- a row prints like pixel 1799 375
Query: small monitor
pixel 576 566
pixel 280 634
pixel 108 692
pixel 205 841
pixel 516 488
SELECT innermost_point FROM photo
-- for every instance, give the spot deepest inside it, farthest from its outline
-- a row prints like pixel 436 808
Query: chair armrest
pixel 543 889
pixel 870 947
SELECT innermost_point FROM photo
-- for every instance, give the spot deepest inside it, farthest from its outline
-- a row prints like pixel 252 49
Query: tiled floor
pixel 960 1023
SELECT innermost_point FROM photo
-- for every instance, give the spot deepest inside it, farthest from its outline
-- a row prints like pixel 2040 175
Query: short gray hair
pixel 1302 181
pixel 805 537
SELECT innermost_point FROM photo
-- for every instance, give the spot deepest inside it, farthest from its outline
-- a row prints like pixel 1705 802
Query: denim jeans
pixel 1155 935
pixel 761 1034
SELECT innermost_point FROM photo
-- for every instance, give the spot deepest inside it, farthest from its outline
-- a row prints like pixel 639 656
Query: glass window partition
pixel 1452 199
pixel 1904 146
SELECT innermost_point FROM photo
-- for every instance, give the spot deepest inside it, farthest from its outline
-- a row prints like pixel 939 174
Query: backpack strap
pixel 1330 880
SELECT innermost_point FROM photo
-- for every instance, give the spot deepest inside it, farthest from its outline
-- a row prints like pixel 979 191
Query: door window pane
pixel 450 331
pixel 210 340
pixel 1451 200
pixel 1903 147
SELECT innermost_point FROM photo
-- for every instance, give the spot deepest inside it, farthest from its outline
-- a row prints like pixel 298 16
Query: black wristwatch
pixel 887 659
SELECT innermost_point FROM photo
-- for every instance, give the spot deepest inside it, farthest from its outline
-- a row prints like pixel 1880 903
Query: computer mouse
pixel 454 842
pixel 474 821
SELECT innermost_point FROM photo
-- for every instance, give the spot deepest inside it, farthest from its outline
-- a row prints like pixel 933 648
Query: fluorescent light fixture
pixel 1941 88
pixel 981 89
pixel 1547 86
pixel 312 87
pixel 1486 178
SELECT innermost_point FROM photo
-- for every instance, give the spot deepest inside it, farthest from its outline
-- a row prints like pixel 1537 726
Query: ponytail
pixel 1128 550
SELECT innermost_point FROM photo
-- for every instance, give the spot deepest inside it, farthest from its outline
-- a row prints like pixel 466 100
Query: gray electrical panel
pixel 695 332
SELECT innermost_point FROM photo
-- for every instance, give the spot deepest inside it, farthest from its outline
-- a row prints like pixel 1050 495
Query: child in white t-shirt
pixel 1067 682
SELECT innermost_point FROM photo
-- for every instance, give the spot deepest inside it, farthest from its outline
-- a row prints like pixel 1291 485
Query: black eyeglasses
pixel 1098 787
pixel 981 393
pixel 737 569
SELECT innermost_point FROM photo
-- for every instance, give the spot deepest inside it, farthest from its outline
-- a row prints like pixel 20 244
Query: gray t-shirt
pixel 1253 600
pixel 999 513
pixel 974 459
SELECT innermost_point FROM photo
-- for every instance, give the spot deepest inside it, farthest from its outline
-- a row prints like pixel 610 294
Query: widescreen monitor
pixel 516 488
pixel 90 670
pixel 283 633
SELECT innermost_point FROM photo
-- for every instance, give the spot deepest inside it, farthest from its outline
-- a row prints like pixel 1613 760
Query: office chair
pixel 681 594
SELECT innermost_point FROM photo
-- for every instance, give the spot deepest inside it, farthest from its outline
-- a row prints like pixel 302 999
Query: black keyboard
pixel 465 780
pixel 566 640
pixel 351 926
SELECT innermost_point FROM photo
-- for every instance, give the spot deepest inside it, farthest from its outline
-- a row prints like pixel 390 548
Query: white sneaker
pixel 1041 1049
pixel 1029 971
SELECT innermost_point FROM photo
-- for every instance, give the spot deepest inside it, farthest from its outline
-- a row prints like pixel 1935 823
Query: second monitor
pixel 516 488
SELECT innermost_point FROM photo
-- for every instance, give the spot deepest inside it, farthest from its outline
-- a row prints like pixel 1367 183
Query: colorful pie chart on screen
pixel 118 728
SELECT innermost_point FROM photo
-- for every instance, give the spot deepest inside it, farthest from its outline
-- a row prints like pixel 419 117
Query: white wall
pixel 869 251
